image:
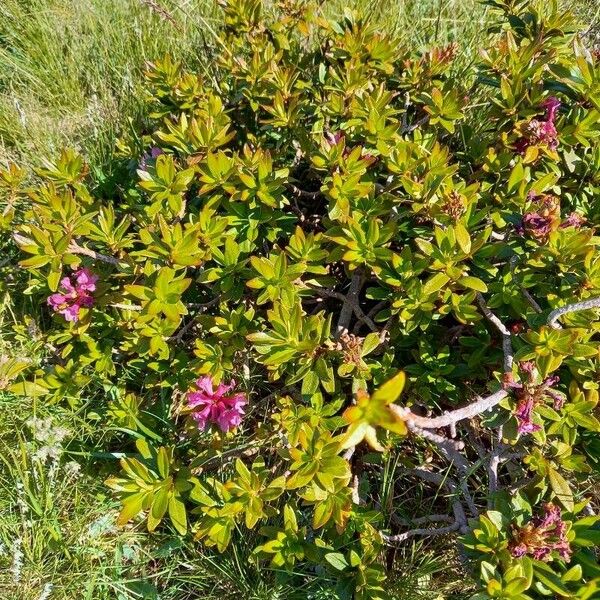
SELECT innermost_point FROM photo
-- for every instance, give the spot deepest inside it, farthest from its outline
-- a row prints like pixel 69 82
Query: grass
pixel 71 75
pixel 71 70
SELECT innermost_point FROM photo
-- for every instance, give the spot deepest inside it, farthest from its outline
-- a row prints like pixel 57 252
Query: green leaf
pixel 473 283
pixel 337 560
pixel 177 514
pixel 561 488
pixel 462 237
pixel 549 579
pixel 435 283
pixel 390 391
pixel 30 389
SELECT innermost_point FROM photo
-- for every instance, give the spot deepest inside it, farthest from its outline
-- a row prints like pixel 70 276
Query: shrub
pixel 339 268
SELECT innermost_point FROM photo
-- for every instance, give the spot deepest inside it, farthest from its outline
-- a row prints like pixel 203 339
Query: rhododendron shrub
pixel 335 269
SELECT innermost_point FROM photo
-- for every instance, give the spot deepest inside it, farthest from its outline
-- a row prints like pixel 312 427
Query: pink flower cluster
pixel 541 536
pixel 541 131
pixel 75 293
pixel 544 217
pixel 529 394
pixel 216 406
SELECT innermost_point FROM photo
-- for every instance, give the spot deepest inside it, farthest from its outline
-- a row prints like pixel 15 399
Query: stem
pixel 350 301
pixel 495 462
pixel 75 248
pixel 298 193
pixel 450 449
pixel 451 486
pixel 471 410
pixel 127 306
pixel 569 308
pixel 401 537
pixel 358 311
pixel 507 348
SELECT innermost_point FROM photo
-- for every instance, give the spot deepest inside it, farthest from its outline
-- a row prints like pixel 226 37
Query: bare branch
pixel 471 410
pixel 401 537
pixel 354 488
pixel 532 301
pixel 75 248
pixel 133 307
pixel 415 125
pixel 450 450
pixel 349 300
pixel 494 462
pixel 451 486
pixel 570 308
pixel 507 348
pixel 448 445
pixel 298 193
pixel 200 309
pixel 437 518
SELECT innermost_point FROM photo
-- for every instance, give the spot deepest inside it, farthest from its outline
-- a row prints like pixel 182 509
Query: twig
pixel 570 308
pixel 415 125
pixel 354 488
pixel 475 443
pixel 507 348
pixel 401 537
pixel 450 449
pixel 383 334
pixel 358 311
pixel 446 444
pixel 349 300
pixel 531 300
pixel 298 193
pixel 133 307
pixel 493 464
pixel 450 484
pixel 75 248
pixel 162 13
pixel 201 308
pixel 437 518
pixel 454 416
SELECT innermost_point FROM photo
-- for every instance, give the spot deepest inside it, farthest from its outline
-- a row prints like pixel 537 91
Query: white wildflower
pixel 46 592
pixel 17 562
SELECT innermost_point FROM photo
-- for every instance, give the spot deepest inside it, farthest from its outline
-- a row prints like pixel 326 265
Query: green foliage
pixel 331 219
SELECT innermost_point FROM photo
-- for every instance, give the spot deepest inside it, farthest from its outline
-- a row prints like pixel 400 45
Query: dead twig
pixel 75 248
pixel 507 348
pixel 478 407
pixel 571 308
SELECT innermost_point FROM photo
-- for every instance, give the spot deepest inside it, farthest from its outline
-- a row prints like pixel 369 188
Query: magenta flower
pixel 524 413
pixel 551 104
pixel 541 536
pixel 542 218
pixel 531 392
pixel 540 131
pixel 333 139
pixel 74 295
pixel 573 220
pixel 215 406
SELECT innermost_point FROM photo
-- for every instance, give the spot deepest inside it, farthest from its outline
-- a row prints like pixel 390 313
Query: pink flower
pixel 551 104
pixel 74 294
pixel 539 131
pixel 215 406
pixel 542 218
pixel 573 220
pixel 524 412
pixel 333 139
pixel 541 536
pixel 531 392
